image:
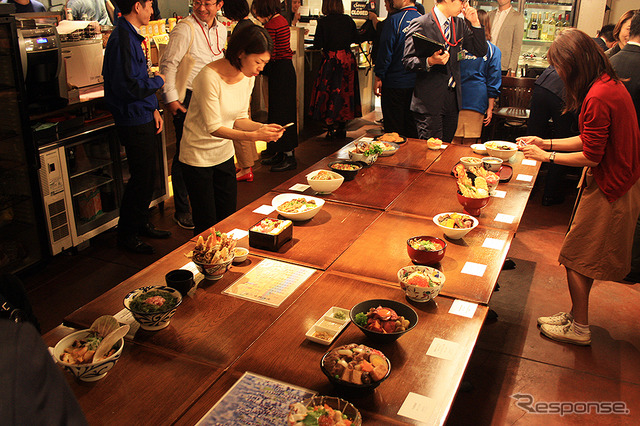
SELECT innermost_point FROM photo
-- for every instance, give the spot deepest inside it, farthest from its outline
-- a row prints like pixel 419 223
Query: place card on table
pixel 463 309
pixel 498 194
pixel 126 317
pixel 524 178
pixel 255 400
pixel 237 234
pixel 300 187
pixel 264 209
pixel 443 146
pixel 505 218
pixel 528 162
pixel 476 269
pixel 365 139
pixel 269 282
pixel 445 349
pixel 417 407
pixel 493 243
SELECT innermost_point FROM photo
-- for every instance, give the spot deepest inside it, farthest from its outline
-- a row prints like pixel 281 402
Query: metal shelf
pixel 93 164
pixel 87 183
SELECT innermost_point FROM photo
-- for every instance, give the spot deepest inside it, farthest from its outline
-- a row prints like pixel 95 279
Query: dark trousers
pixel 213 192
pixel 442 120
pixel 180 196
pixel 282 103
pixel 396 111
pixel 141 145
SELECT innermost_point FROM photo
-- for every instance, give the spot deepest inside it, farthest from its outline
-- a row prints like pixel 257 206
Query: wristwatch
pixel 552 157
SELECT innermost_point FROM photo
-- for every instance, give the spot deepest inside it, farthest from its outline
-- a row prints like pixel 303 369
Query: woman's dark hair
pixel 250 40
pixel 623 19
pixel 579 62
pixel 235 10
pixel 483 17
pixel 265 8
pixel 332 7
pixel 634 30
pixel 126 6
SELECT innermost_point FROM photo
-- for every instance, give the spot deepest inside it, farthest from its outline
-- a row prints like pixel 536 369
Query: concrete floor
pixel 511 357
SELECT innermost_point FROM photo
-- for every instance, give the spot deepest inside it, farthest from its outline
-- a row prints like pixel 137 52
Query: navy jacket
pixel 128 90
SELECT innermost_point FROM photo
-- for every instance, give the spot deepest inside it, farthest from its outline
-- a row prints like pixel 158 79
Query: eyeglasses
pixel 197 4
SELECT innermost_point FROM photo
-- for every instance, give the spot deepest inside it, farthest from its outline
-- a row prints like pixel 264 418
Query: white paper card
pixel 524 178
pixel 493 243
pixel 443 146
pixel 506 218
pixel 528 162
pixel 264 209
pixel 238 234
pixel 300 187
pixel 444 349
pixel 462 308
pixel 126 317
pixel 476 269
pixel 498 194
pixel 365 139
pixel 417 407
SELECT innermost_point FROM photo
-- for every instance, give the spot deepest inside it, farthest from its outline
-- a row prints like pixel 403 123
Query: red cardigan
pixel 611 137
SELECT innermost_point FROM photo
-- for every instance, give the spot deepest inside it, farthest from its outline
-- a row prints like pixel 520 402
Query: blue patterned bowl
pixel 86 372
pixel 157 320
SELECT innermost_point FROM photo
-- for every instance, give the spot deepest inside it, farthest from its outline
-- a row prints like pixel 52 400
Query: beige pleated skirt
pixel 598 244
pixel 469 124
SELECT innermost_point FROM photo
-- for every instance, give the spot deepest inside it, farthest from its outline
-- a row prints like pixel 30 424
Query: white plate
pixel 278 200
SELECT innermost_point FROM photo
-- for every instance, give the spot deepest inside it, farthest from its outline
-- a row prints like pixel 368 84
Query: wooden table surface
pixel 432 194
pixel 296 360
pixel 365 189
pixel 147 385
pixel 316 242
pixel 451 156
pixel 381 251
pixel 413 154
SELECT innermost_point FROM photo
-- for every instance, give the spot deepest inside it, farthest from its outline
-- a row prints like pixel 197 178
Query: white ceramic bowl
pixel 454 233
pixel 325 186
pixel 215 271
pixel 493 164
pixel 479 148
pixel 469 162
pixel 153 321
pixel 417 293
pixel 366 159
pixel 504 154
pixel 86 372
pixel 241 254
pixel 278 200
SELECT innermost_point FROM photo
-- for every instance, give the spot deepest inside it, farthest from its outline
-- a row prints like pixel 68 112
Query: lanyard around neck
pixel 453 29
pixel 206 37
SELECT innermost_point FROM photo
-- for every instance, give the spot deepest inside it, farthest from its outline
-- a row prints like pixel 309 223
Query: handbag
pixel 185 67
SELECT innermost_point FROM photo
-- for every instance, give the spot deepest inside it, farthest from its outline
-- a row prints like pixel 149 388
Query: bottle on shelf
pixel 551 31
pixel 526 24
pixel 534 32
pixel 559 26
pixel 567 22
pixel 544 28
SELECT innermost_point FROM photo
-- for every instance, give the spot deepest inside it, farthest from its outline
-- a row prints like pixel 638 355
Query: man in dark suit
pixel 605 39
pixel 626 63
pixel 437 95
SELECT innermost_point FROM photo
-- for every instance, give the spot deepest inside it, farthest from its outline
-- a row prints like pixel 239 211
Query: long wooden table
pixel 355 244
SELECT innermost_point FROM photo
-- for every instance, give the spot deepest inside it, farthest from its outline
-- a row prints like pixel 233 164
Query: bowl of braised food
pixel 455 225
pixel 214 255
pixel 153 306
pixel 348 169
pixel 355 366
pixel 425 249
pixel 420 283
pixel 296 206
pixel 323 410
pixel 383 320
pixel 324 181
pixel 76 353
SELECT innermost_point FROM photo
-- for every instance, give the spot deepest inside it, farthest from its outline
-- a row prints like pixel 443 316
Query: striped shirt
pixel 278 29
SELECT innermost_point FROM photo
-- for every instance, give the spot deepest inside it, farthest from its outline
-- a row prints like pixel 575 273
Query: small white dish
pixel 479 148
pixel 327 328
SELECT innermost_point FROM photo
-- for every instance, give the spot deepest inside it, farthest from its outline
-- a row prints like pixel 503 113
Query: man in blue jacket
pixel 129 91
pixel 393 82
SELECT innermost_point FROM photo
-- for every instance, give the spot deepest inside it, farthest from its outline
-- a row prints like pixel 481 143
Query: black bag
pixel 14 304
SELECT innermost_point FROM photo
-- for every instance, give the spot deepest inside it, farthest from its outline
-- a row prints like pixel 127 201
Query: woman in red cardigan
pixel 598 243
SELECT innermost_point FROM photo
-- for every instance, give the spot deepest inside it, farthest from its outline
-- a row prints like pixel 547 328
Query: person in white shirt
pixel 506 32
pixel 218 114
pixel 204 38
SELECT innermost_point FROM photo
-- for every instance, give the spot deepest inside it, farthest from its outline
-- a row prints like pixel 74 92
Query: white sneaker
pixel 560 318
pixel 565 333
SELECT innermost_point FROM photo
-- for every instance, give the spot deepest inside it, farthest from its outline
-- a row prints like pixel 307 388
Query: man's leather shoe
pixel 277 158
pixel 289 163
pixel 148 230
pixel 134 245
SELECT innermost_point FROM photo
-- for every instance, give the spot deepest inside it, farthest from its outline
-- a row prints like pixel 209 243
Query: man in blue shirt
pixel 129 91
pixel 393 82
pixel 28 6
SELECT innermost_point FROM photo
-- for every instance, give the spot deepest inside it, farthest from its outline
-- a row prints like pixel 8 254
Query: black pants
pixel 213 192
pixel 141 145
pixel 282 103
pixel 442 122
pixel 180 196
pixel 396 111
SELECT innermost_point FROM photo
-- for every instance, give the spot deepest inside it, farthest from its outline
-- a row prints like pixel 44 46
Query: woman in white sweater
pixel 218 113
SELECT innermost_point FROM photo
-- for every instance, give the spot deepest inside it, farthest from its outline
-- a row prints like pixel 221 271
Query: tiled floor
pixel 511 358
